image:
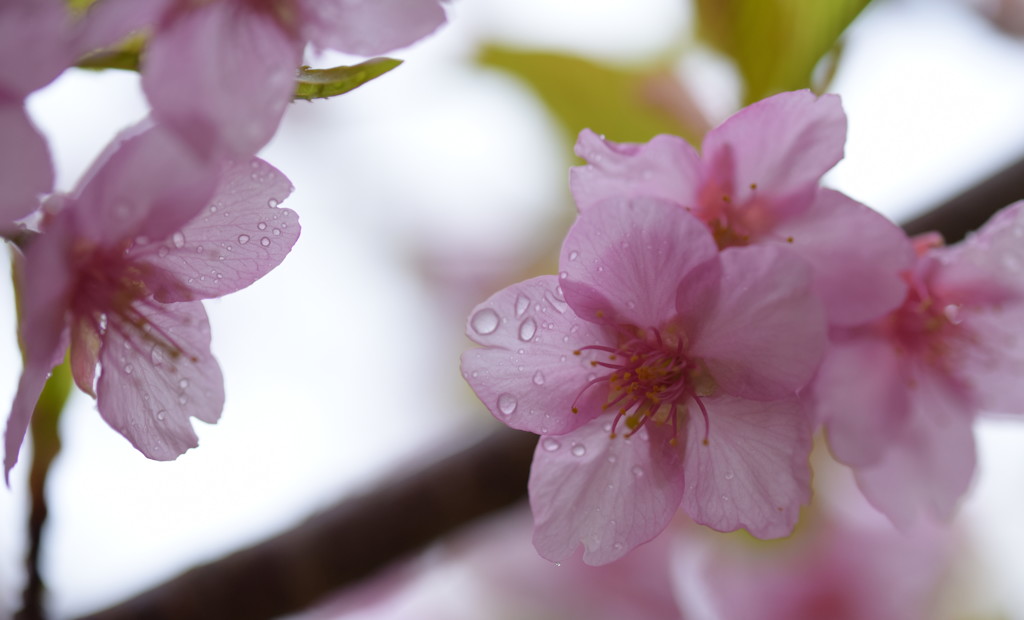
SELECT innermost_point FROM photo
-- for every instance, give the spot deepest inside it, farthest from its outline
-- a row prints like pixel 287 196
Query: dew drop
pixel 160 415
pixel 262 225
pixel 564 275
pixel 213 208
pixel 484 322
pixel 272 203
pixel 527 329
pixel 725 498
pixel 183 383
pixel 612 459
pixel 578 449
pixel 522 303
pixel 182 399
pixel 538 378
pixel 162 252
pixel 507 403
pixel 128 369
pixel 277 232
pixel 550 444
pixel 178 240
pixel 264 242
pixel 729 475
pixel 574 255
pixel 243 239
pixel 638 471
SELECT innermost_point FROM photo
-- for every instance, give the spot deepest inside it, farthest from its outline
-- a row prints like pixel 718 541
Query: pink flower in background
pixel 36 45
pixel 118 272
pixel 756 181
pixel 659 372
pixel 898 396
pixel 221 73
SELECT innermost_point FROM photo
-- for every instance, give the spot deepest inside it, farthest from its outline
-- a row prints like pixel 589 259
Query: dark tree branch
pixel 348 542
pixel 361 535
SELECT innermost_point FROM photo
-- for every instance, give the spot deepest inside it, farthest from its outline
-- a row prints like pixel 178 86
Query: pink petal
pixel 623 262
pixel 608 494
pixel 45 284
pixel 753 472
pixel 233 104
pixel 767 334
pixel 238 240
pixel 25 168
pixel 782 145
pixel 991 360
pixel 988 266
pixel 147 183
pixel 148 391
pixel 857 256
pixel 370 27
pixel 860 393
pixel 527 374
pixel 666 168
pixel 36 45
pixel 108 22
pixel 929 466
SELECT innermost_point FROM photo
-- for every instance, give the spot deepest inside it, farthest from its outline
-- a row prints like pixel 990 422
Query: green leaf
pixel 775 43
pixel 627 105
pixel 124 55
pixel 323 83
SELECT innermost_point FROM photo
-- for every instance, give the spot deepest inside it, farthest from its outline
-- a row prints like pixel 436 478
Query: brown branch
pixel 361 535
pixel 347 542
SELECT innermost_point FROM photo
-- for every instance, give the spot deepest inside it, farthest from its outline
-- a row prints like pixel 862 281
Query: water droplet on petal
pixel 538 378
pixel 484 322
pixel 563 275
pixel 264 241
pixel 574 255
pixel 160 415
pixel 178 240
pixel 243 239
pixel 262 225
pixel 507 404
pixel 277 232
pixel 183 383
pixel 725 498
pixel 578 449
pixel 729 475
pixel 527 329
pixel 522 303
pixel 550 444
pixel 162 251
pixel 272 203
pixel 182 400
pixel 128 369
pixel 638 471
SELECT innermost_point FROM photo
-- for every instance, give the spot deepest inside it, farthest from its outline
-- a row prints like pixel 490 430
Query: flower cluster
pixel 176 210
pixel 714 308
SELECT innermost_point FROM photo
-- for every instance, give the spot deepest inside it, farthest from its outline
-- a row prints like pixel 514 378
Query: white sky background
pixel 342 364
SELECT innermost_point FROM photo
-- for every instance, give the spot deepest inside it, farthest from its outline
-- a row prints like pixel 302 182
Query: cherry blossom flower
pixel 660 372
pixel 756 181
pixel 898 395
pixel 222 73
pixel 37 42
pixel 118 271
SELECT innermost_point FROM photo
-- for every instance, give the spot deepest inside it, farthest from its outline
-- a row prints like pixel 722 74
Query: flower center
pixel 649 378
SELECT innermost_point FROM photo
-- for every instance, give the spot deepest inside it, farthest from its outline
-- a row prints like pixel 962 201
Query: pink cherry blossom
pixel 222 73
pixel 37 42
pixel 660 372
pixel 118 273
pixel 898 396
pixel 756 181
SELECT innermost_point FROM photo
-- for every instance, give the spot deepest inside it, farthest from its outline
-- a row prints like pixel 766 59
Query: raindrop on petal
pixel 183 383
pixel 538 378
pixel 522 303
pixel 578 449
pixel 507 404
pixel 484 322
pixel 262 225
pixel 160 415
pixel 264 242
pixel 550 444
pixel 243 239
pixel 527 329
pixel 574 255
pixel 178 240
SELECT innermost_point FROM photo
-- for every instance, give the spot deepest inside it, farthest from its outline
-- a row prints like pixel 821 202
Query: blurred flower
pixel 37 39
pixel 954 347
pixel 118 271
pixel 221 73
pixel 659 370
pixel 757 182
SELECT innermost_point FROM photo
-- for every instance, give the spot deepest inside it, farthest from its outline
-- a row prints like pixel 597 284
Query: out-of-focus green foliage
pixel 775 43
pixel 79 5
pixel 124 55
pixel 323 83
pixel 626 105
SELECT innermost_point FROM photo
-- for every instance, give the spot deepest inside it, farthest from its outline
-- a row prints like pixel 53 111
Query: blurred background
pixel 426 190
